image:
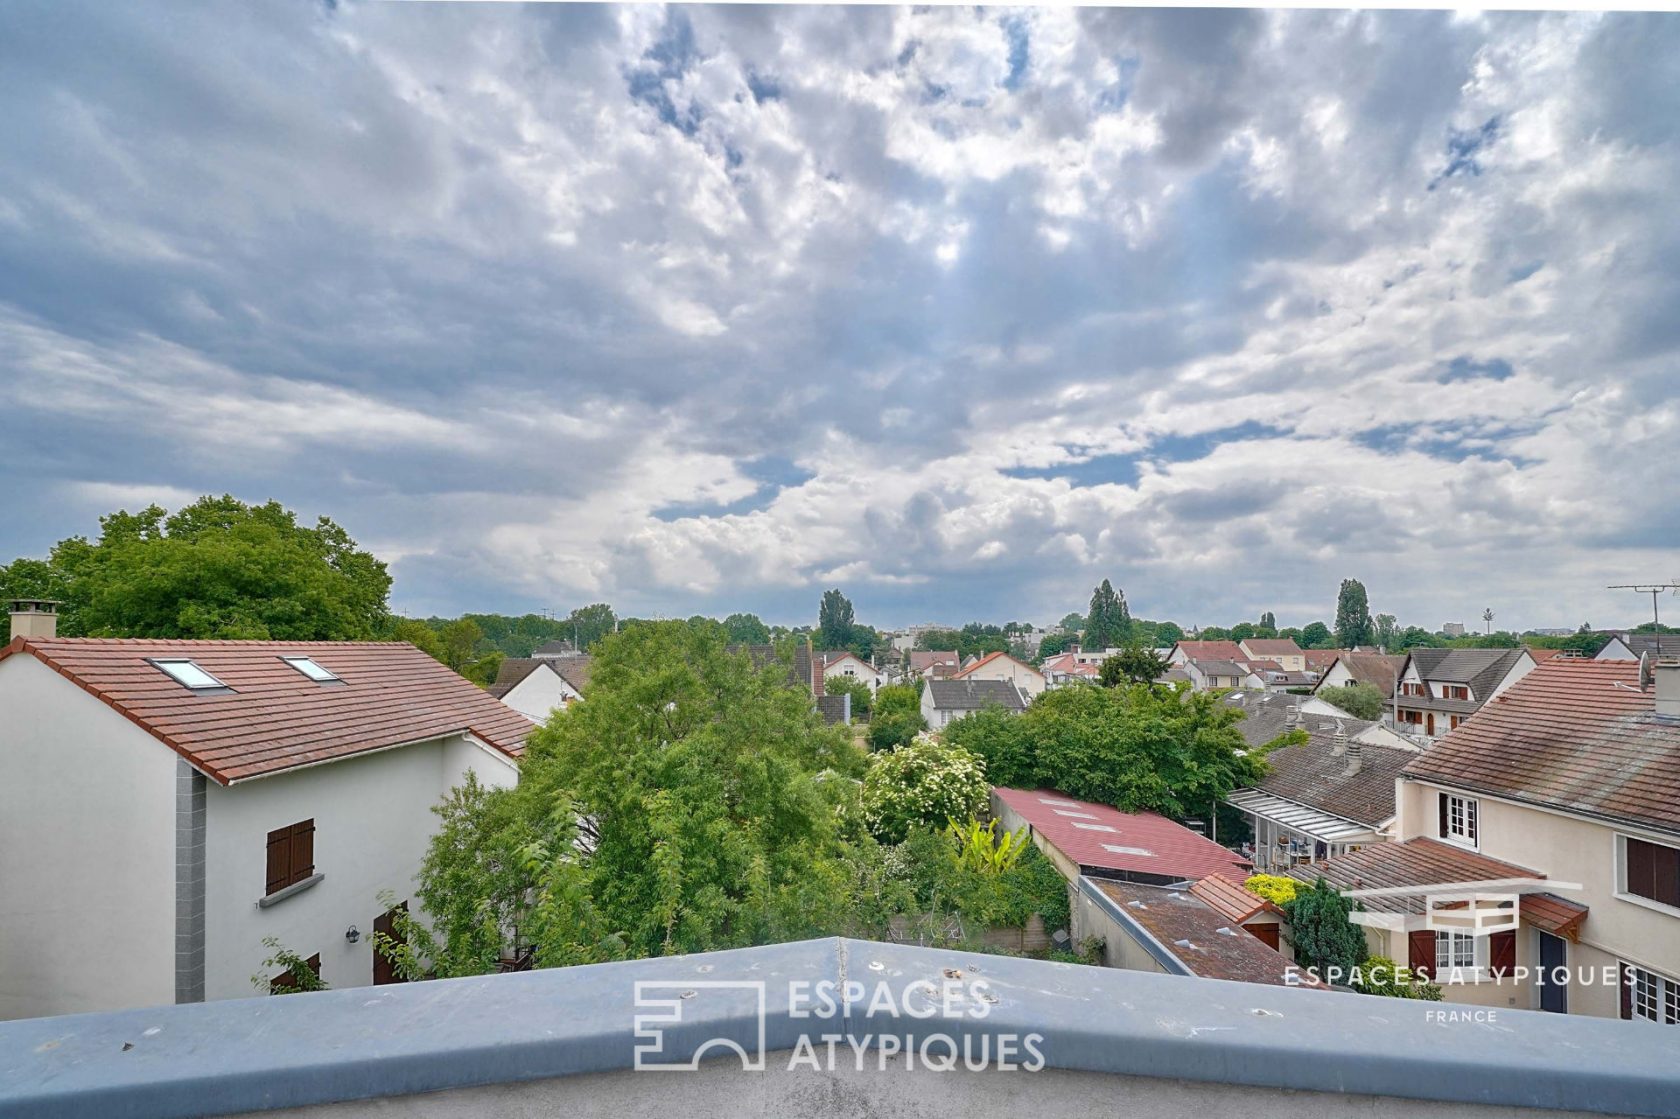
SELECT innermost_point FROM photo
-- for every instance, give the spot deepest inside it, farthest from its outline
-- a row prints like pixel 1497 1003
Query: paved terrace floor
pixel 563 1042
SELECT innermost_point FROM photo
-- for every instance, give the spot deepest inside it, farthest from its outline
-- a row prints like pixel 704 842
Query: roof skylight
pixel 315 672
pixel 189 675
pixel 1092 827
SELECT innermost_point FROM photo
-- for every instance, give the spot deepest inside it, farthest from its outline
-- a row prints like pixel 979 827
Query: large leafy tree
pixel 1135 664
pixel 688 803
pixel 1362 701
pixel 217 568
pixel 589 624
pixel 896 717
pixel 835 620
pixel 1136 747
pixel 928 782
pixel 747 629
pixel 1109 624
pixel 1315 635
pixel 1353 616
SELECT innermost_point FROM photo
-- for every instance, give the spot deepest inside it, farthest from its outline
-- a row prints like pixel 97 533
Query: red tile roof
pixel 1205 941
pixel 1227 895
pixel 1148 843
pixel 1211 650
pixel 275 718
pixel 1416 862
pixel 1554 914
pixel 1273 647
pixel 989 658
pixel 1573 734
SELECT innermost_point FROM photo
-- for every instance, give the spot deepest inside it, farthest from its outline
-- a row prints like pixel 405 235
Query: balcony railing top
pixel 309 1049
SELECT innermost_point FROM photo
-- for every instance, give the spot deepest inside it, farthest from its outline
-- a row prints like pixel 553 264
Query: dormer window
pixel 315 672
pixel 191 676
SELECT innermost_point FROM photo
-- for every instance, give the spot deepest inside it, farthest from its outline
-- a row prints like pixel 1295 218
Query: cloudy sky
pixel 704 309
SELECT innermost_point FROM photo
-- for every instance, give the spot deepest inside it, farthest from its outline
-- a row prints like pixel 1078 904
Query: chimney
pixel 1341 740
pixel 34 617
pixel 1667 677
pixel 1292 715
pixel 1355 754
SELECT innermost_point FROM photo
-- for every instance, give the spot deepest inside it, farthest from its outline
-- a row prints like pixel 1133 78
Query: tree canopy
pixel 835 620
pixel 1353 616
pixel 1135 747
pixel 1362 701
pixel 747 629
pixel 217 568
pixel 1109 624
pixel 1315 635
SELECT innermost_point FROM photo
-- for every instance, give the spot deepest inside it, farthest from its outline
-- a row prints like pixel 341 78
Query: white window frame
pixel 1659 993
pixel 1478 955
pixel 1469 833
pixel 1621 891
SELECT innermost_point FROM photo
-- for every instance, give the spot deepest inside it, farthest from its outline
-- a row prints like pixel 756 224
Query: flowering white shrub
pixel 926 782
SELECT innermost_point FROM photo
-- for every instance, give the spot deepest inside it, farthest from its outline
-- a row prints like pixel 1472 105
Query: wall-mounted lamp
pixel 352 934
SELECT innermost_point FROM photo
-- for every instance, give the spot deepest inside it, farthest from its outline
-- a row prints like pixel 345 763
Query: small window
pixel 312 670
pixel 1650 997
pixel 291 856
pixel 1651 871
pixel 1454 949
pixel 189 675
pixel 1458 818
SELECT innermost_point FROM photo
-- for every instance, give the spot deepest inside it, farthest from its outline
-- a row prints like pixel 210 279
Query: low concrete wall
pixel 500 1039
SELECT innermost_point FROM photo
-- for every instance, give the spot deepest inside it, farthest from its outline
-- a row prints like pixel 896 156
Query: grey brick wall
pixel 189 883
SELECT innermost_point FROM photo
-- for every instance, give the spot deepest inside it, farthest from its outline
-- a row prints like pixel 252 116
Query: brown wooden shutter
pixel 1442 802
pixel 1502 952
pixel 279 859
pixel 1625 974
pixel 1665 874
pixel 1420 952
pixel 303 850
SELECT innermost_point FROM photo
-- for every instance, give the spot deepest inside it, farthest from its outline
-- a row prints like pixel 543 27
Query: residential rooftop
pixel 1201 939
pixel 1108 843
pixel 1573 734
pixel 239 710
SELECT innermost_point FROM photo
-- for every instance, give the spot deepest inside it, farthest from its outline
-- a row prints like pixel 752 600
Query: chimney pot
pixel 34 617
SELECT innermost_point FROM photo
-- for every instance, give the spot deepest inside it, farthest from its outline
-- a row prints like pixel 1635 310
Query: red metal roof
pixel 275 718
pixel 1147 843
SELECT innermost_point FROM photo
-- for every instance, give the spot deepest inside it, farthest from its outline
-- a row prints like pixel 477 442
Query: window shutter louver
pixel 1442 802
pixel 1626 975
pixel 279 859
pixel 1502 952
pixel 1420 950
pixel 303 850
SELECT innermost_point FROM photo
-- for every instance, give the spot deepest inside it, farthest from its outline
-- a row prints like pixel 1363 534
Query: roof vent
pixel 34 617
pixel 1340 740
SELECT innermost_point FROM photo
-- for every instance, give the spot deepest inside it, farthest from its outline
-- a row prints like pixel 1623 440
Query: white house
pixel 535 686
pixel 1001 666
pixel 167 805
pixel 1438 689
pixel 852 667
pixel 945 700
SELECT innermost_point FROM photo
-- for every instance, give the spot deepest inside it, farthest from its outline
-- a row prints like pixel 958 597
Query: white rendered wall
pixel 373 818
pixel 87 851
pixel 539 694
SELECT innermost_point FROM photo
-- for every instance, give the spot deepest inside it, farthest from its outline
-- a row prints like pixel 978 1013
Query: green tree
pixel 1071 623
pixel 927 782
pixel 1109 623
pixel 1353 616
pixel 1322 935
pixel 1362 701
pixel 460 640
pixel 1385 631
pixel 1315 635
pixel 1054 645
pixel 747 629
pixel 217 568
pixel 1136 748
pixel 1168 634
pixel 835 620
pixel 420 635
pixel 691 803
pixel 1132 665
pixel 1268 621
pixel 896 717
pixel 863 697
pixel 588 625
pixel 1242 631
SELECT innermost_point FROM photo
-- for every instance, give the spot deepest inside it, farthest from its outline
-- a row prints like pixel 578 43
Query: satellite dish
pixel 1646 676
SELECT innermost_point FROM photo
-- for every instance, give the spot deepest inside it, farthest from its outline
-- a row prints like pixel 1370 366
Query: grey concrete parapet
pixel 306 1049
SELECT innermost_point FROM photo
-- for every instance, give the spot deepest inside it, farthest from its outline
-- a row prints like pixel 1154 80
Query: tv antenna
pixel 1652 589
